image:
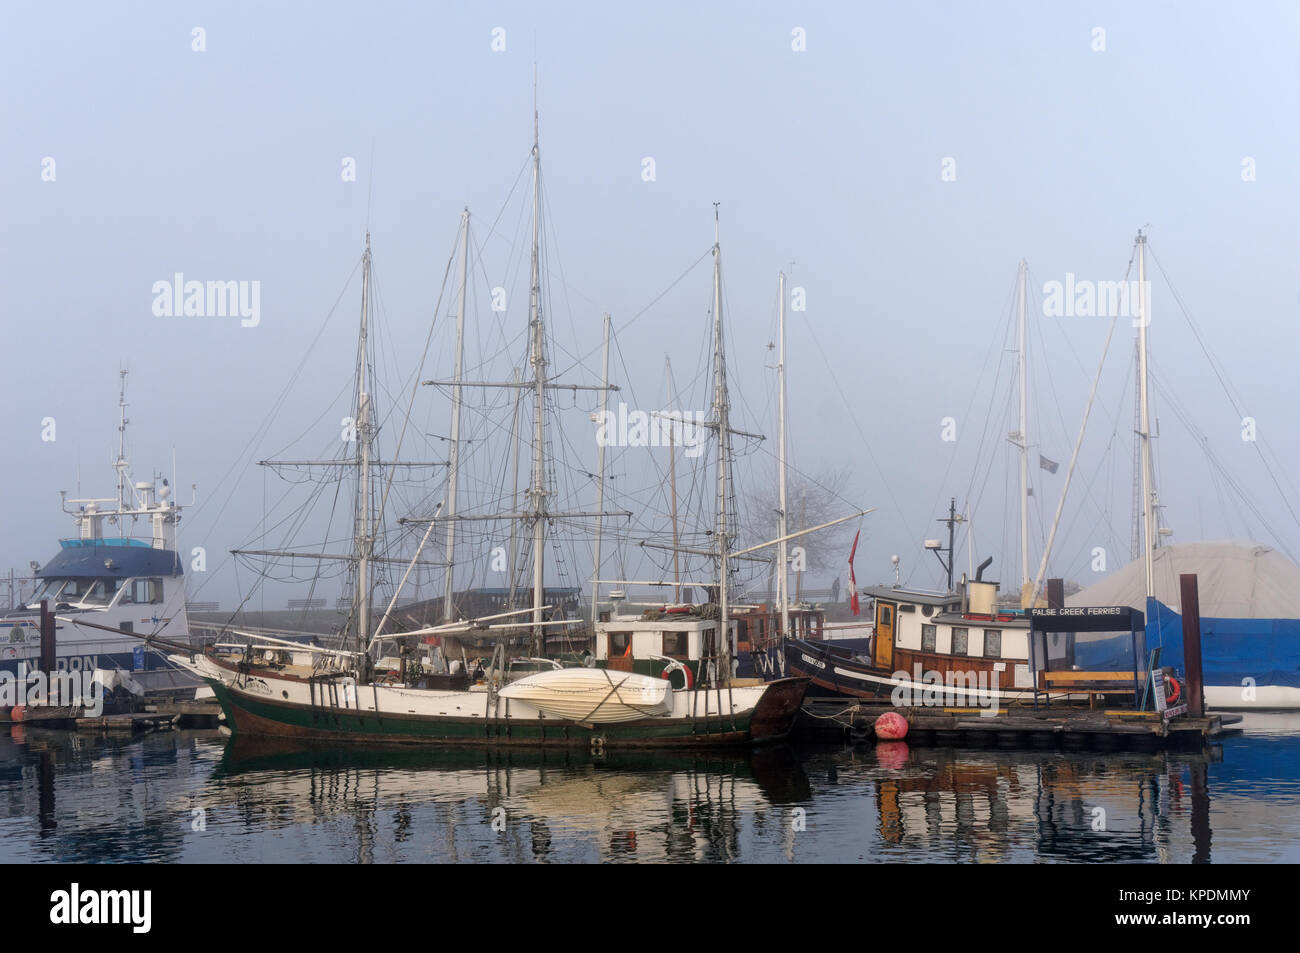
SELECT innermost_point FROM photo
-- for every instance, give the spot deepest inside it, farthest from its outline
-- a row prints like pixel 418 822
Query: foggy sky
pixel 225 165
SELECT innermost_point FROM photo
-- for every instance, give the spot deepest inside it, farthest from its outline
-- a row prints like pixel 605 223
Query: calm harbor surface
pixel 198 796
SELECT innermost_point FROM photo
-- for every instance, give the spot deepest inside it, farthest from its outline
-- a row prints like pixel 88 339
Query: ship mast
pixel 782 579
pixel 121 465
pixel 672 481
pixel 1023 442
pixel 364 538
pixel 600 480
pixel 1144 425
pixel 534 510
pixel 538 489
pixel 453 472
pixel 721 412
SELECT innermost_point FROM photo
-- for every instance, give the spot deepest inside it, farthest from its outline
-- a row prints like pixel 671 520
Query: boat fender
pixel 1173 689
pixel 891 726
pixel 686 672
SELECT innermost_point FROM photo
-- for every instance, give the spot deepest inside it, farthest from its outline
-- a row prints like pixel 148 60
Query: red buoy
pixel 18 713
pixel 891 726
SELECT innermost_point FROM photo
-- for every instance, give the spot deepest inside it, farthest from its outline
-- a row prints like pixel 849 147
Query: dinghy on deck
pixel 593 695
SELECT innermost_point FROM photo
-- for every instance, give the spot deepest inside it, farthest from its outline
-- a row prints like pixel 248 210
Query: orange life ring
pixel 685 669
pixel 1174 689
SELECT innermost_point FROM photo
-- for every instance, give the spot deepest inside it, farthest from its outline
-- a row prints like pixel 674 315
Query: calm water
pixel 197 796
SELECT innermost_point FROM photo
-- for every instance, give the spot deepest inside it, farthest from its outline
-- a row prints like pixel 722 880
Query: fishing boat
pixel 276 687
pixel 128 583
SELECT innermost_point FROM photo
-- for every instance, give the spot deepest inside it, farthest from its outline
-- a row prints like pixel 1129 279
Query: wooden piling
pixel 49 653
pixel 1192 643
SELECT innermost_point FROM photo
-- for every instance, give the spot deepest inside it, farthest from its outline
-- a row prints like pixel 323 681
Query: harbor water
pixel 200 796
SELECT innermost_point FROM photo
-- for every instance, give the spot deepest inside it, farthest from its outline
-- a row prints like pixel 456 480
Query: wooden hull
pixel 263 715
pixel 839 674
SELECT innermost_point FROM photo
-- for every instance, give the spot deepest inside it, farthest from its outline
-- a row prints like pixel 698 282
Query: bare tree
pixel 811 500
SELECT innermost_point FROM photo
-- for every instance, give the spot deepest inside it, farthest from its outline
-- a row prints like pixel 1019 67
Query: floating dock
pixel 153 716
pixel 837 719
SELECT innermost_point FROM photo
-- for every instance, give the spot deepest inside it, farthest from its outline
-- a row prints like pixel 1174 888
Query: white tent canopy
pixel 1236 580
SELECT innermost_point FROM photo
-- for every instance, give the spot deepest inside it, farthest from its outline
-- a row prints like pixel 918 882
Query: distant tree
pixel 811 500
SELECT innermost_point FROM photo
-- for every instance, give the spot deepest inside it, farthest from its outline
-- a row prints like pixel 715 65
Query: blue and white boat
pixel 122 571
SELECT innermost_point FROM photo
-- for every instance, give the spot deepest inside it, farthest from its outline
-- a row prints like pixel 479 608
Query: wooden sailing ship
pixel 687 695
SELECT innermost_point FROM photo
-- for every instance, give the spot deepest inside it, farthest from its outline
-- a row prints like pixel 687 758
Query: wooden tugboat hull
pixel 831 673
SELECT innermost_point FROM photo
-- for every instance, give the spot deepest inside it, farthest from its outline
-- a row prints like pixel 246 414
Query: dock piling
pixel 1192 643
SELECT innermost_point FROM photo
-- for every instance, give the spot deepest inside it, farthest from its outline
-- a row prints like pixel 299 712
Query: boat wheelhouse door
pixel 883 657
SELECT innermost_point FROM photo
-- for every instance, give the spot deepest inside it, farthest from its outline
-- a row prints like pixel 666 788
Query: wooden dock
pixel 830 720
pixel 158 715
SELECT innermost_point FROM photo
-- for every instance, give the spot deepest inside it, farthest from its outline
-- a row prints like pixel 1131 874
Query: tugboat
pixel 109 576
pixel 959 642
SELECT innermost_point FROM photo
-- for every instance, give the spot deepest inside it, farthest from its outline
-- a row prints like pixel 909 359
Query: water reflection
pixel 521 805
pixel 197 796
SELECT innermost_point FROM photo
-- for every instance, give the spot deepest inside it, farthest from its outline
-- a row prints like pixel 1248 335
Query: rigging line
pixel 1060 415
pixel 383 503
pixel 866 444
pixel 1186 420
pixel 993 393
pixel 265 427
pixel 1222 383
pixel 492 229
pixel 629 322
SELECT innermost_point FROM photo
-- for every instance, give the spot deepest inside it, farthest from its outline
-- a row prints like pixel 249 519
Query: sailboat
pixel 280 688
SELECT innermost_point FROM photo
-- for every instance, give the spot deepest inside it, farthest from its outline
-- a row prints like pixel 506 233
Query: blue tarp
pixel 1266 650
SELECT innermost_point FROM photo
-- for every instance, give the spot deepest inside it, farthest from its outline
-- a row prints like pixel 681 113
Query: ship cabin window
pixel 960 640
pixel 992 643
pixel 620 644
pixel 144 592
pixel 929 637
pixel 677 645
pixel 100 592
pixel 886 617
pixel 50 590
pixel 74 590
pixel 603 616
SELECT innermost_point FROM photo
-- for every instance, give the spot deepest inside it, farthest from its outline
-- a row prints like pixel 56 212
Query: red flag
pixel 853 583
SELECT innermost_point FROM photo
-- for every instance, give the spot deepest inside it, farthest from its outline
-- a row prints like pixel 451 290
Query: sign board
pixel 137 658
pixel 1171 712
pixel 1087 619
pixel 1158 689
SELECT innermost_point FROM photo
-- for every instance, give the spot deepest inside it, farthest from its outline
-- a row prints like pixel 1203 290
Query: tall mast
pixel 513 564
pixel 1023 439
pixel 803 525
pixel 364 530
pixel 600 479
pixel 538 490
pixel 721 412
pixel 782 579
pixel 454 458
pixel 120 465
pixel 672 480
pixel 1148 484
